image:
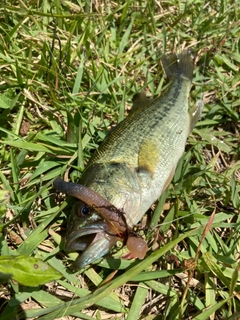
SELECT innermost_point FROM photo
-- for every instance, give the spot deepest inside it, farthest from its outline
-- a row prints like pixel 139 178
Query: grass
pixel 69 70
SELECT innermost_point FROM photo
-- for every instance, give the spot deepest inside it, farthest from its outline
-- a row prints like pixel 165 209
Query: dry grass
pixel 68 73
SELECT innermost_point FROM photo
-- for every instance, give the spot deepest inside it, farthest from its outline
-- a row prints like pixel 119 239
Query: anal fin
pixel 195 114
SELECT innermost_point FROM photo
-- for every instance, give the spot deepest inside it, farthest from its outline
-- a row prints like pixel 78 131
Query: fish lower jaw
pixel 93 243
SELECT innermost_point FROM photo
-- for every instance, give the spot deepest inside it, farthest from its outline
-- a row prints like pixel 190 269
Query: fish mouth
pixel 92 240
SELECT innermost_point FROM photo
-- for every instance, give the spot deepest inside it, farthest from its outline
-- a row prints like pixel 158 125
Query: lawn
pixel 68 73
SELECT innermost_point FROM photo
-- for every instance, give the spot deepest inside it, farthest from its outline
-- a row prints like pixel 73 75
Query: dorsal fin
pixel 140 100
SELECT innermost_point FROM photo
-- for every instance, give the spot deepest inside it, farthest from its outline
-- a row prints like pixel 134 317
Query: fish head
pixel 89 233
pixel 106 211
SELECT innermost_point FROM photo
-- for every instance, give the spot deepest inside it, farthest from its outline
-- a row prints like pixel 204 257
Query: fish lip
pixel 78 240
pixel 93 240
pixel 101 245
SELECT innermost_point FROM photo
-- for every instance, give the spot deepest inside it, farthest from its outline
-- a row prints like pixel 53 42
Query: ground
pixel 68 73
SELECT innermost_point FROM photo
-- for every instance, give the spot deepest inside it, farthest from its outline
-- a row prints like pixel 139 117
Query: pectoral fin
pixel 148 156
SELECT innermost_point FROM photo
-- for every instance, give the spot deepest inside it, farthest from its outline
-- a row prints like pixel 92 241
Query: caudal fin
pixel 180 65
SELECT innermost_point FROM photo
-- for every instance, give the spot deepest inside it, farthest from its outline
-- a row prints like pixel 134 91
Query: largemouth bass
pixel 134 164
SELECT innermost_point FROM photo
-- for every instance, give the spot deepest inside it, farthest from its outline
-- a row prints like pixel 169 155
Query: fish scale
pixel 137 159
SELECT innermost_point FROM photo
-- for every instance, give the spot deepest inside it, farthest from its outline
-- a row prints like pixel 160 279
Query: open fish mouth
pixel 96 238
pixel 79 240
pixel 93 242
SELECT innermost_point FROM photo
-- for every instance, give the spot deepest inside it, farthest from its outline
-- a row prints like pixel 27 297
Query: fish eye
pixel 83 210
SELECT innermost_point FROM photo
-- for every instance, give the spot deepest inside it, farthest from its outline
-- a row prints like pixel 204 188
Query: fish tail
pixel 180 65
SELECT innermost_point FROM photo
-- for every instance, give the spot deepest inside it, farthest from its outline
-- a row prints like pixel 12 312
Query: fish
pixel 132 167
